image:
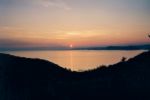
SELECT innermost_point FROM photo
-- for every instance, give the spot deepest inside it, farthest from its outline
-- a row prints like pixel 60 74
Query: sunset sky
pixel 75 23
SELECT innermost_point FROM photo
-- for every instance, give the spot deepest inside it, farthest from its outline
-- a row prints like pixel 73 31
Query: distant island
pixel 119 47
pixel 36 79
pixel 125 47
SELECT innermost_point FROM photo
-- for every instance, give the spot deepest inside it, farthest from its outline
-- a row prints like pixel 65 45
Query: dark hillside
pixel 35 79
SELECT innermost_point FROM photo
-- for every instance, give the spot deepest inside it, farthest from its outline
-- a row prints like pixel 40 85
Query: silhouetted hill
pixel 35 79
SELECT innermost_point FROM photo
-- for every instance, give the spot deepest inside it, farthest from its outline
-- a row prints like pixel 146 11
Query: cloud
pixel 9 31
pixel 5 43
pixel 14 44
pixel 55 3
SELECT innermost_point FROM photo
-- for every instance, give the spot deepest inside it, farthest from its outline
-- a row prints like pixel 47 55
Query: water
pixel 78 59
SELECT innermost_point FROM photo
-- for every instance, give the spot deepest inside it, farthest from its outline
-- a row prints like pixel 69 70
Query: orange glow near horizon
pixel 57 23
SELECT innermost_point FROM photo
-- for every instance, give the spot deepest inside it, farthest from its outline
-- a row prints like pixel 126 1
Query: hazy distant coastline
pixel 121 47
pixel 126 47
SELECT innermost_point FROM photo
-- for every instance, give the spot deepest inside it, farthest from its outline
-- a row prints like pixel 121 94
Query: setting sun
pixel 70 45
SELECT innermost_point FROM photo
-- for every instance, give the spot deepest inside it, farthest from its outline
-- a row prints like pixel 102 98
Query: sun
pixel 71 46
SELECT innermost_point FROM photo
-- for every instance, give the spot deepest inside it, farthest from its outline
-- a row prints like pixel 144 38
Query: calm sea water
pixel 78 59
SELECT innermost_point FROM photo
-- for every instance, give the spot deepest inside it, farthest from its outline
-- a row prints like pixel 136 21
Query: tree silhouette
pixel 123 59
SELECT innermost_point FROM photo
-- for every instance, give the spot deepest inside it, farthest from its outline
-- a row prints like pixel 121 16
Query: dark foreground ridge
pixel 35 79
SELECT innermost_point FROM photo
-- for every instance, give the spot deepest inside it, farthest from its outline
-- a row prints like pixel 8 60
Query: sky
pixel 73 23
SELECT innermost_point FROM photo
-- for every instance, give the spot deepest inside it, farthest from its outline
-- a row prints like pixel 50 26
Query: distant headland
pixel 115 47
